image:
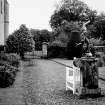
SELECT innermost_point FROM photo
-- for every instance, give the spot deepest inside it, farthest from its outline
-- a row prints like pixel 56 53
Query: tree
pixel 20 41
pixel 99 27
pixel 74 10
pixel 40 36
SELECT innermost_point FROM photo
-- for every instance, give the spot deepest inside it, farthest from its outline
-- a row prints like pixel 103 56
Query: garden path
pixel 42 82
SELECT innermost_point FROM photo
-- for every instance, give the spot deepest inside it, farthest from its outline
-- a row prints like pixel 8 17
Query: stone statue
pixel 85 40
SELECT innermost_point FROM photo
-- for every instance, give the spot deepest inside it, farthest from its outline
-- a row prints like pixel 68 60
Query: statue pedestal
pixel 89 76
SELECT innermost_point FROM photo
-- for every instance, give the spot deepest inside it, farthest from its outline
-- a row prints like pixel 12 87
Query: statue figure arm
pixel 84 25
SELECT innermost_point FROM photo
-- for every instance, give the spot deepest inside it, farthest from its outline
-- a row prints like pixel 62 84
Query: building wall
pixel 4 20
pixel 1 21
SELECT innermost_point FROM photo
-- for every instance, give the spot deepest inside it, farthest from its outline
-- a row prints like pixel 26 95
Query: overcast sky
pixel 36 13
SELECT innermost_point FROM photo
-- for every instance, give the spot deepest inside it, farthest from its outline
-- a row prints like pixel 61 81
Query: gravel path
pixel 28 82
pixel 46 86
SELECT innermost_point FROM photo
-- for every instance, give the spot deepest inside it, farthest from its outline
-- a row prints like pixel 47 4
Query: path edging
pixel 61 63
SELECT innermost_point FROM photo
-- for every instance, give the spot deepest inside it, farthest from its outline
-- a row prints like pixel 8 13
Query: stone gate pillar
pixel 44 49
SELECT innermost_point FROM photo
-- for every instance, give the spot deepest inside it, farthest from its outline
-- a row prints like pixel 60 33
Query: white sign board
pixel 72 78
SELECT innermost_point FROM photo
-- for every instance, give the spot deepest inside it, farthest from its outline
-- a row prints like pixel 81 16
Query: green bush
pixel 103 42
pixel 2 48
pixel 56 49
pixel 7 75
pixel 97 42
pixel 100 62
pixel 3 56
pixel 101 59
pixel 56 52
pixel 9 64
pixel 104 59
pixel 12 59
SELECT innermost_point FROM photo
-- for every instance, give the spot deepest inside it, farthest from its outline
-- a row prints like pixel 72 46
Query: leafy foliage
pixel 2 48
pixel 7 75
pixel 9 64
pixel 99 29
pixel 96 28
pixel 69 17
pixel 56 49
pixel 63 33
pixel 68 10
pixel 10 59
pixel 20 41
pixel 97 41
pixel 40 36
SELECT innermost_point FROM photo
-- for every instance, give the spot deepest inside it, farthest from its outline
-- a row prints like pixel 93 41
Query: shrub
pixel 7 75
pixel 12 59
pixel 3 56
pixel 56 49
pixel 97 42
pixel 100 62
pixel 38 46
pixel 103 42
pixel 104 59
pixel 9 64
pixel 101 59
pixel 2 48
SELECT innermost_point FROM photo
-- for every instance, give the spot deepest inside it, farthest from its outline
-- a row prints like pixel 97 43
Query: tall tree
pixel 40 36
pixel 20 41
pixel 71 10
pixel 99 27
